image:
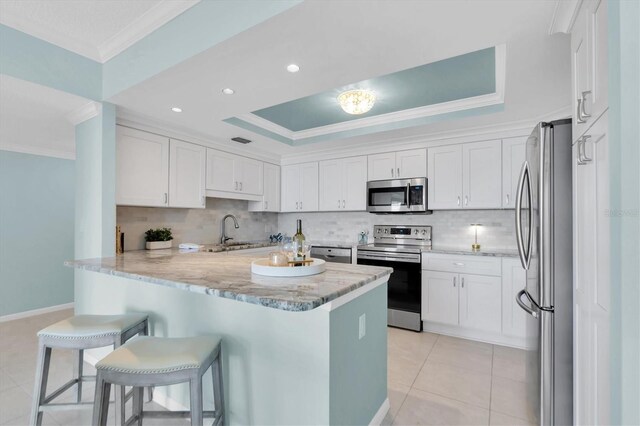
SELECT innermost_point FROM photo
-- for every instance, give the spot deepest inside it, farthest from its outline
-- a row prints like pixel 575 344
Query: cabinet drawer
pixel 480 265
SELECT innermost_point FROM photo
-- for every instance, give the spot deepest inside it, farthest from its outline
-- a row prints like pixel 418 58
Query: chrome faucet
pixel 223 236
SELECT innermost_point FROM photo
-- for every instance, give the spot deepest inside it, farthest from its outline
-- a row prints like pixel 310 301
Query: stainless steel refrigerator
pixel 544 235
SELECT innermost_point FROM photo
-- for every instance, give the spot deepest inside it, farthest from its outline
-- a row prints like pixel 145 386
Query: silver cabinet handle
pixel 240 186
pixel 266 205
pixel 296 205
pixel 398 170
pixel 507 200
pixel 580 158
pixel 392 172
pixel 300 205
pixel 338 203
pixel 454 281
pixel 236 185
pixel 458 200
pixel 584 149
pixel 527 309
pixel 166 198
pixel 343 204
pixel 579 118
pixel 458 263
pixel 462 282
pixel 466 200
pixel 583 112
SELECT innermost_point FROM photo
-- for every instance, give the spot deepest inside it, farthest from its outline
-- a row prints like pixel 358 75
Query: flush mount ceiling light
pixel 293 68
pixel 356 101
pixel 228 91
pixel 176 109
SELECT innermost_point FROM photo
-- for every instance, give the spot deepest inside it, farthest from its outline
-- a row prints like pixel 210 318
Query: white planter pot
pixel 155 245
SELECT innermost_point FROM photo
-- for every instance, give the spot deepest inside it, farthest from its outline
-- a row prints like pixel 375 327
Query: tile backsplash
pixel 200 226
pixel 450 228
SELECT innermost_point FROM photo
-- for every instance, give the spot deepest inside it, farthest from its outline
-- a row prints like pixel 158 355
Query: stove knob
pixel 386 231
pixel 379 231
pixel 424 232
pixel 415 232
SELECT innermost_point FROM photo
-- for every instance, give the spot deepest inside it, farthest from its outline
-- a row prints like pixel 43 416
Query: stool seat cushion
pixel 153 355
pixel 89 326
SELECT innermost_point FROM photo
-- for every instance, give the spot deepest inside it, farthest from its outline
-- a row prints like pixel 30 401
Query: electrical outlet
pixel 362 326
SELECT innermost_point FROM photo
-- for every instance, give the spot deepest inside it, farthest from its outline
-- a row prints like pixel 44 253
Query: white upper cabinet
pixel 580 69
pixel 142 168
pixel 514 279
pixel 343 184
pixel 234 174
pixel 300 187
pixel 482 175
pixel 397 165
pixel 480 302
pixel 187 165
pixel 513 155
pixel 599 58
pixel 465 176
pixel 444 185
pixel 271 194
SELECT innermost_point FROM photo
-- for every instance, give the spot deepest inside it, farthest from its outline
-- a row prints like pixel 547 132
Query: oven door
pixel 404 290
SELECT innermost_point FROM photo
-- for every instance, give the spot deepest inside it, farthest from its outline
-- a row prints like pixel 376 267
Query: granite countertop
pixel 216 248
pixel 467 251
pixel 218 274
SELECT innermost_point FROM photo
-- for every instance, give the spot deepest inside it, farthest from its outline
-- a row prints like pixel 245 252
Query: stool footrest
pixel 175 414
pixel 66 406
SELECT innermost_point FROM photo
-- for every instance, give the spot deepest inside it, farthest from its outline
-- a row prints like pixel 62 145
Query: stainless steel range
pixel 400 247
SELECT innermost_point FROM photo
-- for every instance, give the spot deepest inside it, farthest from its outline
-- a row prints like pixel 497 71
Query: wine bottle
pixel 298 241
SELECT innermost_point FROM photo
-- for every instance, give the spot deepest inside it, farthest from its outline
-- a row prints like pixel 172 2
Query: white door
pixel 382 166
pixel 309 187
pixel 354 186
pixel 513 155
pixel 271 187
pixel 444 173
pixel 481 302
pixel 411 163
pixel 187 165
pixel 440 297
pixel 290 184
pixel 482 175
pixel 580 70
pixel 142 168
pixel 249 176
pixel 221 171
pixel 514 279
pixel 331 194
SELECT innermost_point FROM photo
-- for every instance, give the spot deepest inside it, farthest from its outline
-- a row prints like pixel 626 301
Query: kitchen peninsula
pixel 307 350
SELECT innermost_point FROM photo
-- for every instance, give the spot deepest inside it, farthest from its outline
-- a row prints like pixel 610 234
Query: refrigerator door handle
pixel 526 308
pixel 524 256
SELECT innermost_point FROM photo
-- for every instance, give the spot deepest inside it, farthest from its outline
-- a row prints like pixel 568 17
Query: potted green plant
pixel 159 238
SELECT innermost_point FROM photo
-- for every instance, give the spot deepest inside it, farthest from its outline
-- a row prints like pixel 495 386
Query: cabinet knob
pixel 398 170
pixel 454 281
pixel 466 200
pixel 343 204
pixel 462 282
pixel 458 200
pixel 166 198
pixel 507 200
pixel 392 172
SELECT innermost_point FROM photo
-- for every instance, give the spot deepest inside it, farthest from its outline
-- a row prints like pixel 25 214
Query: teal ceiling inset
pixel 460 77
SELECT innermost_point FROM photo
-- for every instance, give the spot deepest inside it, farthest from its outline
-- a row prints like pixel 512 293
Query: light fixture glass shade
pixel 356 101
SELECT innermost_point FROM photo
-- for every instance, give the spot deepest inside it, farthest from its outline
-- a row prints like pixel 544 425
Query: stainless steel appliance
pixel 331 254
pixel 400 247
pixel 544 238
pixel 397 196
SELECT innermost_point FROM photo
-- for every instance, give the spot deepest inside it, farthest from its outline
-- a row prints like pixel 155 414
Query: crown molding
pixel 564 16
pixel 35 150
pixel 84 113
pixel 420 112
pixel 150 21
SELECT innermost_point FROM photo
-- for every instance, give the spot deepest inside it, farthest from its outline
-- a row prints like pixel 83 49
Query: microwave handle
pixel 408 192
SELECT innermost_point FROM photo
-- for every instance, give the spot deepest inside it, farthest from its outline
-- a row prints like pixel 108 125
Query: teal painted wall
pixel 624 128
pixel 36 231
pixel 29 58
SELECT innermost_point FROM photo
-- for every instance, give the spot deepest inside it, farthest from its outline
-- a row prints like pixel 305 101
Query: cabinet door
pixel 331 183
pixel 382 166
pixel 249 175
pixel 580 70
pixel 309 187
pixel 290 192
pixel 142 168
pixel 187 165
pixel 597 100
pixel 444 173
pixel 513 155
pixel 481 302
pixel 440 297
pixel 411 164
pixel 271 188
pixel 354 186
pixel 482 175
pixel 221 171
pixel 514 279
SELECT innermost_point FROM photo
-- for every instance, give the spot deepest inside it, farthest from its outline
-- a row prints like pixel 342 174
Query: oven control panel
pixel 402 234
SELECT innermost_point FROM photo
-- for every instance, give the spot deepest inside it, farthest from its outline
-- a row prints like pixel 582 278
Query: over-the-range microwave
pixel 398 196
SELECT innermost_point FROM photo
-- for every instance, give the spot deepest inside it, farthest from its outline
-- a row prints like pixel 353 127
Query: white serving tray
pixel 262 267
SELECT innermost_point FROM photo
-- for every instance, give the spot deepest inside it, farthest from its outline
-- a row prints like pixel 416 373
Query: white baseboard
pixel 380 415
pixel 477 335
pixel 34 312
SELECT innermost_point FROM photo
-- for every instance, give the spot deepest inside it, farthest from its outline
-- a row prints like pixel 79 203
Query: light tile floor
pixel 432 379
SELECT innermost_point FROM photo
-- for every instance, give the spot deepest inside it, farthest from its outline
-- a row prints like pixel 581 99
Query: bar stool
pixel 157 361
pixel 80 332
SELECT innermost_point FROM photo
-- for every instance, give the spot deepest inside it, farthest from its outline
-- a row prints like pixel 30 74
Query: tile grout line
pixel 493 356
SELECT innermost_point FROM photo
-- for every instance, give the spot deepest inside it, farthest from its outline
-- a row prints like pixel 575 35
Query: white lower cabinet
pixel 440 297
pixel 480 302
pixel 271 196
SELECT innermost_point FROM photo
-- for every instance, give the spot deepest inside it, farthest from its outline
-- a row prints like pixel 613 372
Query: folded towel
pixel 185 247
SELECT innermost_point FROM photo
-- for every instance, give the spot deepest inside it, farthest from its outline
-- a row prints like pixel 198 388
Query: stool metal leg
pixel 146 333
pixel 120 396
pixel 138 396
pixel 40 387
pixel 101 402
pixel 218 388
pixel 195 384
pixel 77 373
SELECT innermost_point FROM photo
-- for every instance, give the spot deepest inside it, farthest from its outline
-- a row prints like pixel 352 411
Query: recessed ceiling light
pixel 293 68
pixel 228 91
pixel 176 109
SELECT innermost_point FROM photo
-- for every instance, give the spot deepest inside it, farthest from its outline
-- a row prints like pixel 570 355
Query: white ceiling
pixel 97 29
pixel 33 118
pixel 337 43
